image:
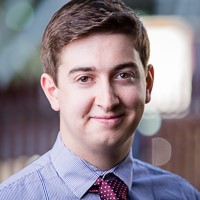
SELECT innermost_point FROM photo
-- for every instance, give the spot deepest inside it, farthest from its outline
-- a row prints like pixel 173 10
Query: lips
pixel 108 120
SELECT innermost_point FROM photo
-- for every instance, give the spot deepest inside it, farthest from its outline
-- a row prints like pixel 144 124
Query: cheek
pixel 77 104
pixel 134 98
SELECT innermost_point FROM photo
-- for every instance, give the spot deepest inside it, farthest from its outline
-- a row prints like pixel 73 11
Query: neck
pixel 103 158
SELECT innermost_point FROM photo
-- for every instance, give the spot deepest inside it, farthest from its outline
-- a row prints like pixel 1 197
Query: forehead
pixel 100 51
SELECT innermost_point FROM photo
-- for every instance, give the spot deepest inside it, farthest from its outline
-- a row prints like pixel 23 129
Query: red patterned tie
pixel 110 189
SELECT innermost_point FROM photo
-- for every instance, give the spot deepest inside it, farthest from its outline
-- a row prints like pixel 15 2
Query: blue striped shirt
pixel 59 174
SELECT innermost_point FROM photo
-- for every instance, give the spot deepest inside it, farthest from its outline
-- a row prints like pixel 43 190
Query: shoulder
pixel 149 169
pixel 29 180
pixel 162 182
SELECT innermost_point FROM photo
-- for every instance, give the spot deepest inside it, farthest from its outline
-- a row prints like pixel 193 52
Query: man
pixel 96 74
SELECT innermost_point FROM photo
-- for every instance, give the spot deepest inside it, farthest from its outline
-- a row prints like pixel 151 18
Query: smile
pixel 108 120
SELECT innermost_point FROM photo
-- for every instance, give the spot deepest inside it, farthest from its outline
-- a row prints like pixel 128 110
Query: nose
pixel 106 97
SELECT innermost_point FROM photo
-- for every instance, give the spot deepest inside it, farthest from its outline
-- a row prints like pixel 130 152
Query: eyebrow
pixel 82 69
pixel 93 69
pixel 126 65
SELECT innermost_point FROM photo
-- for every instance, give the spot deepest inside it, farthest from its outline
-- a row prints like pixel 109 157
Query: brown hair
pixel 80 18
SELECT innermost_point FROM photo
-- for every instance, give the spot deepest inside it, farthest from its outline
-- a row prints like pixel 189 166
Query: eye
pixel 85 79
pixel 125 75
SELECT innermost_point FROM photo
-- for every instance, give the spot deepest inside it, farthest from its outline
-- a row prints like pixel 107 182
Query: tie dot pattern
pixel 110 189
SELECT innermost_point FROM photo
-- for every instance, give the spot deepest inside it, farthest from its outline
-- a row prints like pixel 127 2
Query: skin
pixel 101 93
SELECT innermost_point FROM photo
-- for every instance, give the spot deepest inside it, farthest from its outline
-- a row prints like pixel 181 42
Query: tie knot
pixel 114 189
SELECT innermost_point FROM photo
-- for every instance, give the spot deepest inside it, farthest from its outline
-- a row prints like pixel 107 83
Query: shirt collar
pixel 80 175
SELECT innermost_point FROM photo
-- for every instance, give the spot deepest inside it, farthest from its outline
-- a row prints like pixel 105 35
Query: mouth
pixel 108 120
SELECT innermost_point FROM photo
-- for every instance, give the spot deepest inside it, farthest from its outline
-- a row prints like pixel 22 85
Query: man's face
pixel 101 92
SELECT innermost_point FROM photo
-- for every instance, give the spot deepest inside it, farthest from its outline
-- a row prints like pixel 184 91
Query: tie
pixel 110 189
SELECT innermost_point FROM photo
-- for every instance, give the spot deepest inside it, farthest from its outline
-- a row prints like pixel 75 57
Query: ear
pixel 50 90
pixel 149 82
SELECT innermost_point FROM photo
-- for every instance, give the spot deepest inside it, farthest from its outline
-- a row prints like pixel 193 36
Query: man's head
pixel 81 18
pixel 94 53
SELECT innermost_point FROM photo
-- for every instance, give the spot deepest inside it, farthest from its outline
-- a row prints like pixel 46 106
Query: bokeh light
pixel 171 55
pixel 19 16
pixel 161 151
pixel 150 123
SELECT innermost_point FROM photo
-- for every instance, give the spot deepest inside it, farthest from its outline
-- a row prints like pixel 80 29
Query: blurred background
pixel 169 133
